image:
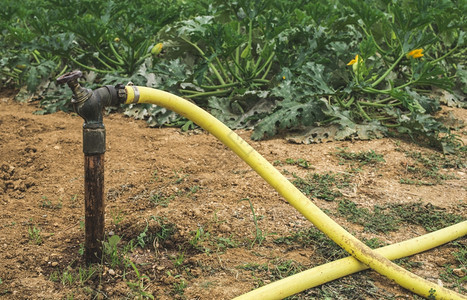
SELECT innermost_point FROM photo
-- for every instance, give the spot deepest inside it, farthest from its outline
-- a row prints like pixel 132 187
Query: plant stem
pixel 213 68
pixel 211 93
pixel 109 59
pixel 264 81
pixel 345 105
pixel 223 86
pixel 267 70
pixel 445 55
pixel 237 53
pixel 117 55
pixel 387 71
pixel 378 104
pixel 221 67
pixel 250 40
pixel 362 112
pixel 104 63
pixel 90 68
pixel 189 91
pixel 35 57
pixel 268 61
pixel 62 72
pixel 391 125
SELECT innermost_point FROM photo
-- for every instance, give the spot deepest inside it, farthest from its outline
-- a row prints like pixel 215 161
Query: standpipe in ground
pixel 352 245
pixel 88 104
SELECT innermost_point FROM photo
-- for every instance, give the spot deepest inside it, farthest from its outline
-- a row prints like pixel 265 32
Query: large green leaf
pixel 290 114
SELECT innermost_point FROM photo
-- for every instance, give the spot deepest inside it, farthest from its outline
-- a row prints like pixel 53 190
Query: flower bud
pixel 156 49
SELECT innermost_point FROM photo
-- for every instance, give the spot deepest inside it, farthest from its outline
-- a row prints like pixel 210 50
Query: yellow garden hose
pixel 324 273
pixel 352 245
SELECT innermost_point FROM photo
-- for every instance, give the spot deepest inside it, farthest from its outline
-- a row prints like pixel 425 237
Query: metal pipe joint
pixel 89 105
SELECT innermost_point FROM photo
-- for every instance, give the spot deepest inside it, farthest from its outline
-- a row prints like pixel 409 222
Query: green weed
pixel 110 252
pixel 67 277
pixel 456 274
pixel 142 237
pixel 408 263
pixel 117 216
pixel 284 268
pixel 179 287
pixel 259 235
pixel 315 239
pixel 193 190
pixel 389 218
pixel 70 276
pixel 46 203
pixel 200 236
pixel 273 270
pixel 165 229
pixel 303 163
pixel 73 201
pixel 425 169
pixel 178 259
pixel 177 178
pixel 81 249
pixel 415 182
pixel 374 243
pixel 377 220
pixel 153 233
pixel 86 273
pixel 356 286
pixel 223 243
pixel 138 286
pixel 160 199
pixel 35 235
pixel 322 186
pixel 361 158
pixel 428 216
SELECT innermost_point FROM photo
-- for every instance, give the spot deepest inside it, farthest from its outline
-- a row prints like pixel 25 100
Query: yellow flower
pixel 156 49
pixel 283 77
pixel 415 53
pixel 354 61
pixel 117 40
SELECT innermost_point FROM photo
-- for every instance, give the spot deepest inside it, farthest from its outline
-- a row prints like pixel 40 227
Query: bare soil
pixel 189 183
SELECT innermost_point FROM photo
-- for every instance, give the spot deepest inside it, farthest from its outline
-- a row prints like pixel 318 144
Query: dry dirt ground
pixel 176 208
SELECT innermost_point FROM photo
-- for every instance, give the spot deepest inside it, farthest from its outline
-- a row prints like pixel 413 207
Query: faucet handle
pixel 80 94
pixel 69 77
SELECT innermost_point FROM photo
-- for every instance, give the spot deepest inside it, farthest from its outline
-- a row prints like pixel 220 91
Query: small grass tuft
pixel 160 199
pixel 35 235
pixel 361 158
pixel 314 238
pixel 425 169
pixel 428 216
pixel 46 203
pixel 300 162
pixel 259 235
pixel 389 218
pixel 456 274
pixel 377 221
pixel 322 186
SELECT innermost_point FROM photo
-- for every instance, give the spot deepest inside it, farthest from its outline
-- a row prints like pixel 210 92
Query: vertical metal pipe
pixel 94 206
